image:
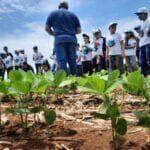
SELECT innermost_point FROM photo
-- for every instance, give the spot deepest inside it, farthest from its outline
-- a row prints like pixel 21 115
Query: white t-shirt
pixel 131 52
pixel 113 43
pixel 38 58
pixel 23 58
pixel 86 56
pixel 8 61
pixel 79 54
pixel 17 60
pixel 145 27
pixel 99 50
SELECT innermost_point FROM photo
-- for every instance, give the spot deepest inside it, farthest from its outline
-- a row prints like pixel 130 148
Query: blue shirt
pixel 64 24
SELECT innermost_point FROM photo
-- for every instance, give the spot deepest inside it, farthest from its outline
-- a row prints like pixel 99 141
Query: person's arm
pixel 122 48
pixel 49 30
pixel 78 31
pixel 77 25
pixel 48 26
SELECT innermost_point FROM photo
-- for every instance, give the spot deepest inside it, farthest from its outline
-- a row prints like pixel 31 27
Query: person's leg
pixel 145 68
pixel 71 57
pixel 79 70
pixel 61 56
pixel 37 68
pixel 119 63
pixel 89 67
pixel 128 64
pixel 112 63
pixel 94 64
pixel 133 63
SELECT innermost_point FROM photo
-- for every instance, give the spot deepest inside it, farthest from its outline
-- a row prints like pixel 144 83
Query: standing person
pixel 54 62
pixel 17 60
pixel 64 25
pixel 137 30
pixel 115 49
pixel 8 60
pixel 130 51
pixel 99 51
pixel 79 62
pixel 23 56
pixel 37 58
pixel 87 55
pixel 2 69
pixel 144 41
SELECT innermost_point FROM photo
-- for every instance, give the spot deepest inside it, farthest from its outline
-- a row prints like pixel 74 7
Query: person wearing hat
pixel 86 55
pixel 64 25
pixel 115 49
pixel 8 60
pixel 23 56
pixel 99 50
pixel 37 58
pixel 137 30
pixel 130 51
pixel 144 44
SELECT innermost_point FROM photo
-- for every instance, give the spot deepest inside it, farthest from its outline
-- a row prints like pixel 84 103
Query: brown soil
pixel 75 130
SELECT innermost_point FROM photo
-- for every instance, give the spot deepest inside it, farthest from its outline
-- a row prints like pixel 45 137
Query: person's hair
pixel 35 48
pixel 86 36
pixel 5 48
pixel 128 38
pixel 63 4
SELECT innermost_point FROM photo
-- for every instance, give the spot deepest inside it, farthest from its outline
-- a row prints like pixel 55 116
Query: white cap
pixel 113 23
pixel 143 10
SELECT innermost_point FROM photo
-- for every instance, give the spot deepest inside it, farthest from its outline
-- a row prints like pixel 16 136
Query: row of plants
pixel 26 88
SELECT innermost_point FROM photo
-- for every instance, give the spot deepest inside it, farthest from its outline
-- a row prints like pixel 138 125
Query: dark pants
pixel 37 67
pixel 116 62
pixel 131 64
pixel 145 59
pixel 99 63
pixel 2 73
pixel 87 67
pixel 66 53
pixel 79 70
pixel 8 70
pixel 17 67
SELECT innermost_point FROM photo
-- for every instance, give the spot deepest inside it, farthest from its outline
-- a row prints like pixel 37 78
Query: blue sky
pixel 22 21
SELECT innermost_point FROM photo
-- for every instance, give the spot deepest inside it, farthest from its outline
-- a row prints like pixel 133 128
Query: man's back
pixel 64 24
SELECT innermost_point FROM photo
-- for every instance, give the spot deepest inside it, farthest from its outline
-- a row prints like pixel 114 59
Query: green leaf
pixel 16 75
pixel 144 118
pixel 113 111
pixel 50 116
pixel 59 77
pixel 134 83
pixel 36 109
pixel 121 126
pixel 20 87
pixel 100 116
pixel 94 85
pixel 112 78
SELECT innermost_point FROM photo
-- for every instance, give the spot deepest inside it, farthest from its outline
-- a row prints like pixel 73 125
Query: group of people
pixel 112 52
pixel 19 60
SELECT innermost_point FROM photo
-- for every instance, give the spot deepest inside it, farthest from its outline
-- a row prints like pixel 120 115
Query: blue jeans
pixel 66 53
pixel 145 59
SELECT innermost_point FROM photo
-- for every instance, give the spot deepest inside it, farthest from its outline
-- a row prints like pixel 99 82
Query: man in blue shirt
pixel 64 25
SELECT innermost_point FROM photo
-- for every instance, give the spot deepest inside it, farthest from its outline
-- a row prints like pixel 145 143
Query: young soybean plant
pixel 135 84
pixel 22 84
pixel 4 85
pixel 56 84
pixel 104 88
